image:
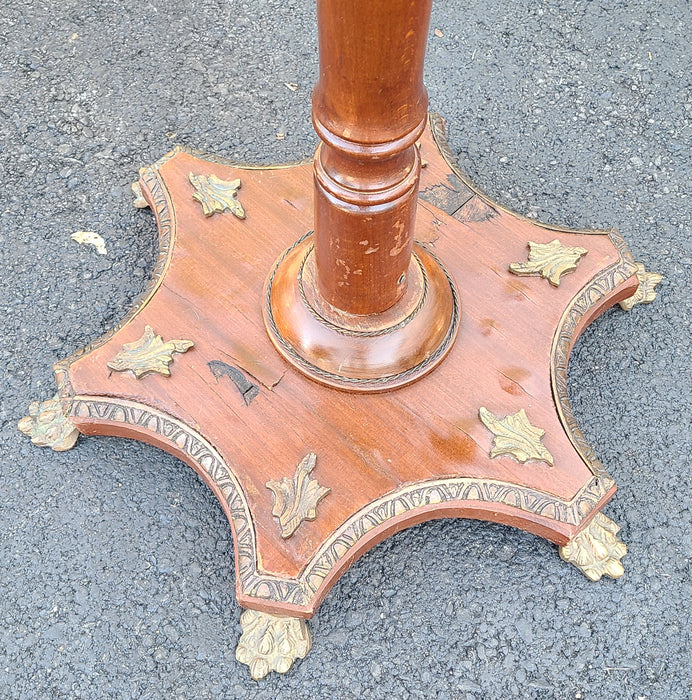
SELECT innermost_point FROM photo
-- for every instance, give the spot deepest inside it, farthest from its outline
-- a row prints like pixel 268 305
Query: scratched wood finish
pixel 355 305
pixel 369 109
pixel 373 353
pixel 210 291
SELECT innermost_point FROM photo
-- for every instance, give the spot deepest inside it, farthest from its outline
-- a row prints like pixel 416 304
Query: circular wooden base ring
pixel 371 353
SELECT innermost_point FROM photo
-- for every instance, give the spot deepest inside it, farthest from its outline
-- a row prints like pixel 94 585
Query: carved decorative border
pixel 302 590
pixel 598 288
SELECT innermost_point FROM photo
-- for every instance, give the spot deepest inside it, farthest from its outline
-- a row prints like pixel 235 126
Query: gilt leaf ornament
pixel 296 499
pixel 549 260
pixel 515 437
pixel 148 354
pixel 216 195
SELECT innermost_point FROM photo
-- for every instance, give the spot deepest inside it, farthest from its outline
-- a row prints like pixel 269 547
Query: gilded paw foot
pixel 271 643
pixel 139 200
pixel 596 551
pixel 646 291
pixel 48 426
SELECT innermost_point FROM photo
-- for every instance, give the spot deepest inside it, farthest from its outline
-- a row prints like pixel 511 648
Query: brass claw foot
pixel 596 551
pixel 271 642
pixel 48 426
pixel 646 291
pixel 139 201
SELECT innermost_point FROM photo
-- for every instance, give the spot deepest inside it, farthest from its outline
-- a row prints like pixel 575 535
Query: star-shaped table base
pixel 310 476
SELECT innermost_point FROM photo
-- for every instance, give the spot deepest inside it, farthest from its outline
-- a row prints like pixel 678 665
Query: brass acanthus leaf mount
pixel 48 426
pixel 515 437
pixel 646 291
pixel 271 643
pixel 549 260
pixel 596 551
pixel 216 195
pixel 296 499
pixel 148 354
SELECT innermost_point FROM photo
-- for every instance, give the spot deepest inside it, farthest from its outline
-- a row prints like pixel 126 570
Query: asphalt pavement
pixel 116 562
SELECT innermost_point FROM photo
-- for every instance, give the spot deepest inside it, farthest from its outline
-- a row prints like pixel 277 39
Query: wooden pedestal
pixel 312 476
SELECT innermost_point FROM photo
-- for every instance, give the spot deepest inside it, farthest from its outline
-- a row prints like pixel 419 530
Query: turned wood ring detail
pixel 430 303
pixel 398 323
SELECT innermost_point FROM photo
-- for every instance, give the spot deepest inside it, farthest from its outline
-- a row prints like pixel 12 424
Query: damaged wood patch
pixel 448 196
pixel 475 211
pixel 247 389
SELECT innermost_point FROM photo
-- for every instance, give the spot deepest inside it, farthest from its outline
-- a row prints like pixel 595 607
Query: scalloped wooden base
pixel 309 476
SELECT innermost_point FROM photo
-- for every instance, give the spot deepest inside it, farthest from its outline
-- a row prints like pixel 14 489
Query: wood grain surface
pixel 390 460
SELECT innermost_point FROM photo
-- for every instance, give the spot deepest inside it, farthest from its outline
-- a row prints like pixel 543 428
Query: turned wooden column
pixel 369 108
pixel 358 304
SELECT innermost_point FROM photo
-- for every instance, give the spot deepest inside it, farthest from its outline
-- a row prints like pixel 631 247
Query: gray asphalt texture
pixel 116 562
